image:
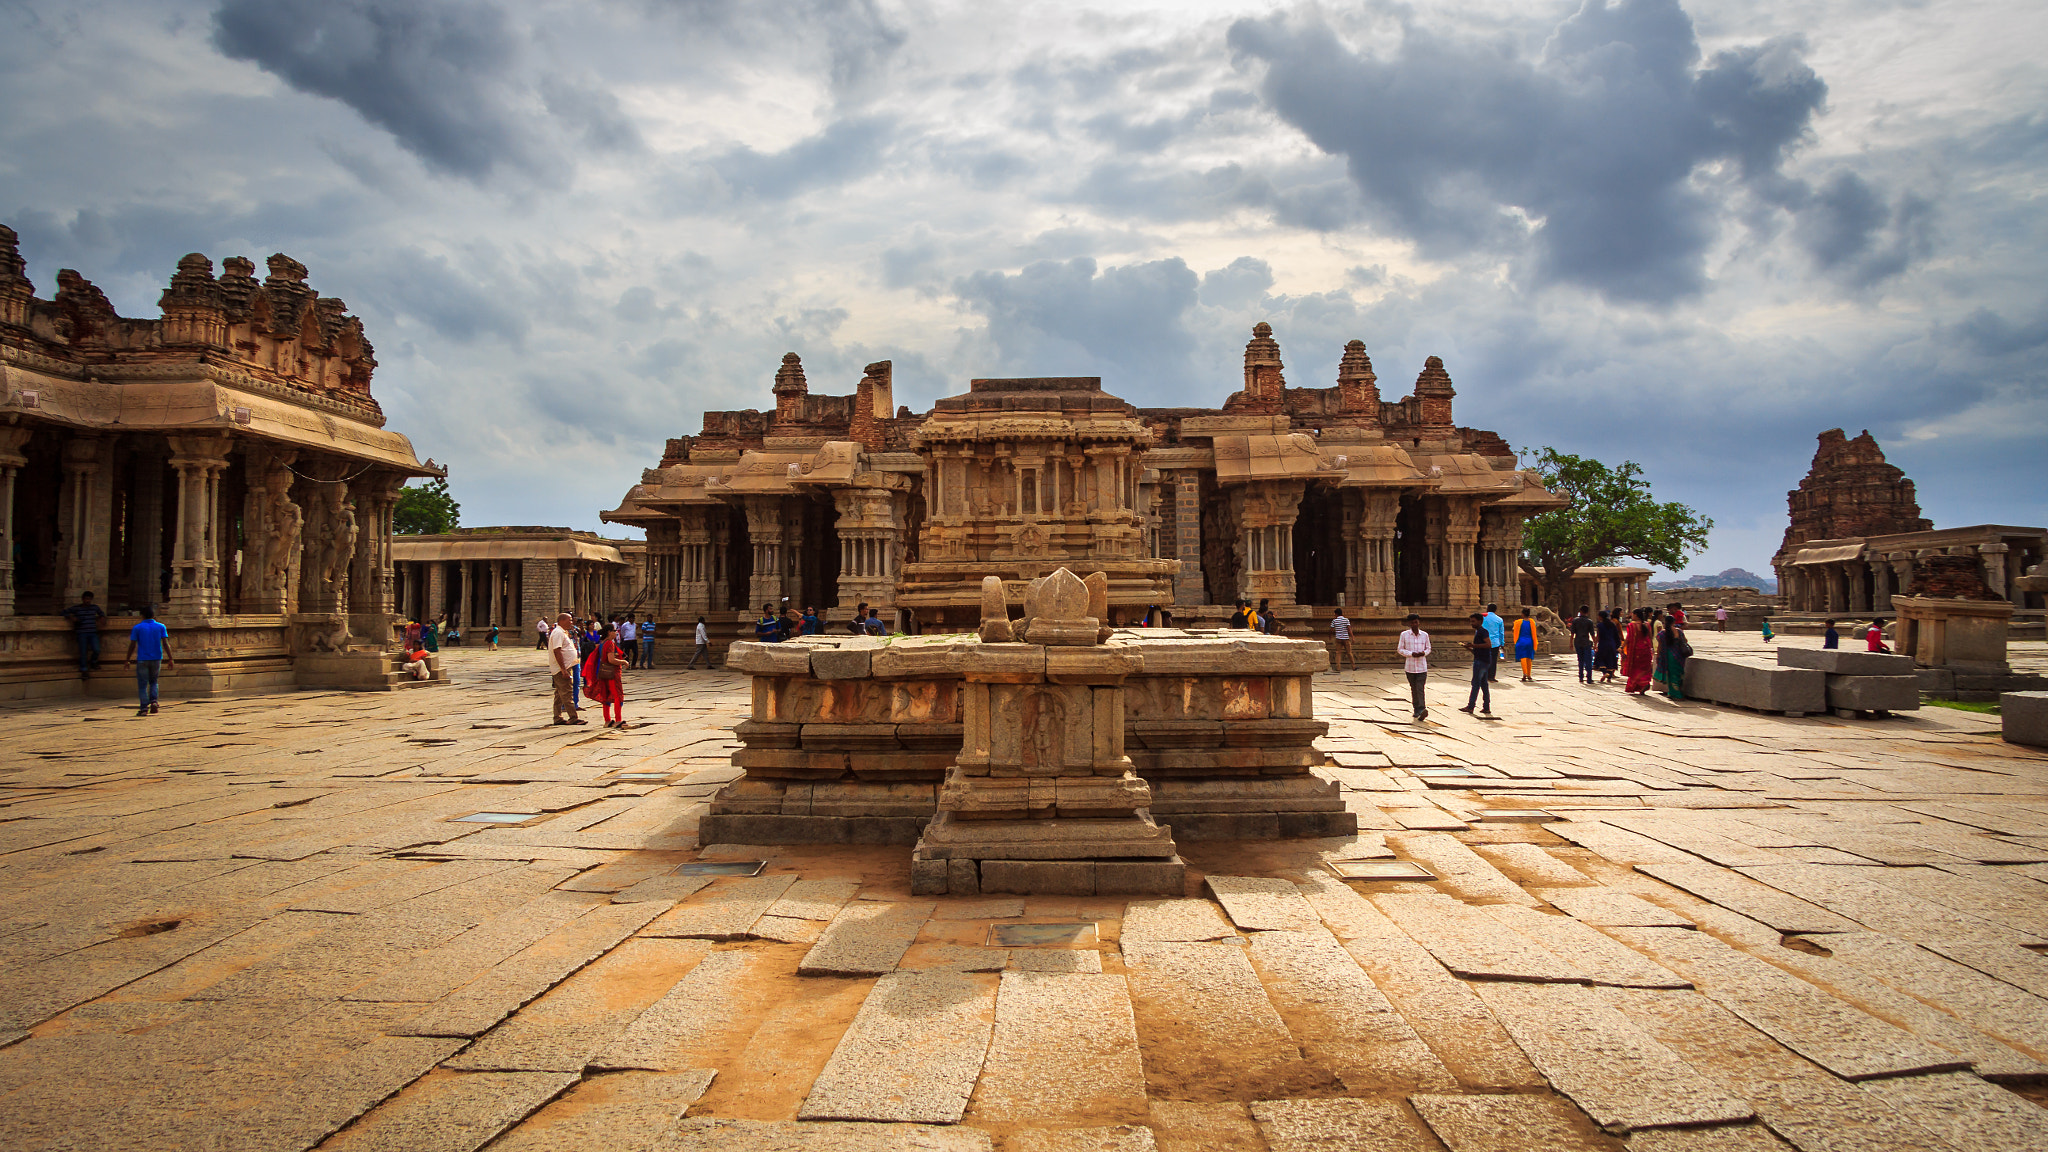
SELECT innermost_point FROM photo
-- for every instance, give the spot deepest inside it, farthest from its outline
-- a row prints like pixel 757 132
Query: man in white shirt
pixel 540 632
pixel 1413 645
pixel 1340 640
pixel 629 641
pixel 703 648
pixel 563 659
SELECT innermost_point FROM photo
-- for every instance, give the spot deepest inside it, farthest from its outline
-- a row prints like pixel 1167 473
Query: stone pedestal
pixel 1961 635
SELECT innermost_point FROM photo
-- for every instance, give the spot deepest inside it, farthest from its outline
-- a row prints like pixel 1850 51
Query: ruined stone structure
pixel 1308 497
pixel 1605 586
pixel 225 463
pixel 1851 491
pixel 512 576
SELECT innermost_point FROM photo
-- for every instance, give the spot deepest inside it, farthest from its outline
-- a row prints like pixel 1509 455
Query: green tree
pixel 1611 517
pixel 426 510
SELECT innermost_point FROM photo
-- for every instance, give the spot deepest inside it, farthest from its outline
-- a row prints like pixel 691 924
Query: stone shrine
pixel 225 463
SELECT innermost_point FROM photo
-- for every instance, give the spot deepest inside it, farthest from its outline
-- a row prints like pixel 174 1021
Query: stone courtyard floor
pixel 259 923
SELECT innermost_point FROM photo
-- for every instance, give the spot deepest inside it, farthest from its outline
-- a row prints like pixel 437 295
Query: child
pixel 494 637
pixel 1767 630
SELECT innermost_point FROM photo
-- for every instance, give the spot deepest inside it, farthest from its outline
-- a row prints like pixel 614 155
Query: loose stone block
pixel 1065 1050
pixel 1608 908
pixel 1506 1124
pixel 727 912
pixel 454 1113
pixel 685 1018
pixel 1352 1125
pixel 1874 693
pixel 2023 718
pixel 866 938
pixel 912 1053
pixel 716 1134
pixel 1160 921
pixel 1473 944
pixel 1754 684
pixel 1622 1077
pixel 1846 661
pixel 1255 902
pixel 1825 1030
pixel 1341 1018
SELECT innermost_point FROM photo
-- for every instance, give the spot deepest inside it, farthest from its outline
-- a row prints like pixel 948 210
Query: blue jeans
pixel 88 651
pixel 647 653
pixel 576 686
pixel 1586 664
pixel 146 672
pixel 1482 692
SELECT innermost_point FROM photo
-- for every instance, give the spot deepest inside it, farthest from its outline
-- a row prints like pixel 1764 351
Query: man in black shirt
pixel 1582 642
pixel 85 617
pixel 1481 647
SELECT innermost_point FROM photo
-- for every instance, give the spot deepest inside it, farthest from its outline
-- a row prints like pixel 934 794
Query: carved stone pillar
pixel 198 462
pixel 1189 586
pixel 273 525
pixel 1461 540
pixel 764 532
pixel 1902 573
pixel 84 508
pixel 1378 514
pixel 1994 568
pixel 12 440
pixel 1881 584
pixel 1265 520
pixel 330 538
pixel 374 497
pixel 691 593
pixel 1434 525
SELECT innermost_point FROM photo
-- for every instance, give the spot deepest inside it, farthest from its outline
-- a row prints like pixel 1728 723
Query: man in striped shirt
pixel 1340 640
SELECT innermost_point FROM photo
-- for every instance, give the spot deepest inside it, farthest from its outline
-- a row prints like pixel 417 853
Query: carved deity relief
pixel 1042 716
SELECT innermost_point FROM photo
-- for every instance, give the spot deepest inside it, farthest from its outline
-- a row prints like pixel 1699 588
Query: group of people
pixel 149 647
pixel 635 641
pixel 1873 636
pixel 775 627
pixel 587 659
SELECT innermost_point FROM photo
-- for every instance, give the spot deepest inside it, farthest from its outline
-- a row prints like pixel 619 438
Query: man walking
pixel 85 617
pixel 564 660
pixel 1340 640
pixel 1721 618
pixel 703 648
pixel 540 629
pixel 149 649
pixel 1496 628
pixel 1413 646
pixel 647 643
pixel 629 640
pixel 1583 629
pixel 1484 656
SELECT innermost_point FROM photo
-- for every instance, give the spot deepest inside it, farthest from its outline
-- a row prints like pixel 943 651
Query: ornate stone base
pixel 1125 856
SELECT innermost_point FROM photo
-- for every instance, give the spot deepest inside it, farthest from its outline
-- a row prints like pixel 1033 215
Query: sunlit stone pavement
pixel 260 923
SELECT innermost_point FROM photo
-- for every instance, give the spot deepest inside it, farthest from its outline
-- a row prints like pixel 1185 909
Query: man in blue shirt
pixel 768 630
pixel 647 643
pixel 85 616
pixel 1498 630
pixel 812 625
pixel 149 649
pixel 1831 638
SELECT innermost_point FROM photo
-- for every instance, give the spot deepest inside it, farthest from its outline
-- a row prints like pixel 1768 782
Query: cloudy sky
pixel 1692 235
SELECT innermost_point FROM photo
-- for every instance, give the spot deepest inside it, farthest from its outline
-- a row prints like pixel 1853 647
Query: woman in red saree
pixel 1638 657
pixel 602 680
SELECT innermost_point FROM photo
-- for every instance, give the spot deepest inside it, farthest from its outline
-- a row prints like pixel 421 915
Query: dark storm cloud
pixel 1596 141
pixel 1850 230
pixel 1058 318
pixel 837 155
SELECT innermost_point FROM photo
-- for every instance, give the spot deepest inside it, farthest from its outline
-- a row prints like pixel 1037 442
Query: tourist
pixel 788 622
pixel 1243 617
pixel 1768 635
pixel 1638 653
pixel 430 638
pixel 454 633
pixel 1720 618
pixel 1496 628
pixel 540 628
pixel 412 635
pixel 1340 639
pixel 565 661
pixel 492 636
pixel 1483 651
pixel 629 640
pixel 1582 629
pixel 149 650
pixel 812 625
pixel 1268 623
pixel 768 630
pixel 1413 645
pixel 874 626
pixel 1674 649
pixel 647 643
pixel 415 664
pixel 1606 646
pixel 1525 646
pixel 1678 613
pixel 1166 617
pixel 602 679
pixel 858 625
pixel 1829 638
pixel 1875 637
pixel 703 648
pixel 85 617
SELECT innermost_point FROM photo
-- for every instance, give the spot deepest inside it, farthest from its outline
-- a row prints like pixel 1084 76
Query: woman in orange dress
pixel 1638 657
pixel 602 679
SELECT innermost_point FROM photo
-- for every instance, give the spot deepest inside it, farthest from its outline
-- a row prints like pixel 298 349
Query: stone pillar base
pixel 1115 856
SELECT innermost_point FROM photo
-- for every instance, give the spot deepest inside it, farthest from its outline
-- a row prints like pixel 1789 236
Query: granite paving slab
pixel 1224 1032
pixel 1833 1034
pixel 1341 1018
pixel 1601 958
pixel 666 888
pixel 417 881
pixel 1444 1011
pixel 452 1112
pixel 1988 893
pixel 1535 866
pixel 1463 871
pixel 1507 1124
pixel 613 1113
pixel 32 993
pixel 1472 944
pixel 477 1006
pixel 726 912
pixel 1112 1138
pixel 565 1029
pixel 440 970
pixel 913 1052
pixel 689 1015
pixel 1171 921
pixel 2017 966
pixel 318 1102
pixel 784 930
pixel 1256 903
pixel 1328 1125
pixel 1609 1066
pixel 1619 844
pixel 709 1134
pixel 1726 1138
pixel 1856 893
pixel 866 938
pixel 1966 1111
pixel 1991 1006
pixel 819 900
pixel 1748 897
pixel 1065 1050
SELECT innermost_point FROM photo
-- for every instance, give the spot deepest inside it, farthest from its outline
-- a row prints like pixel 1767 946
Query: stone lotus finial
pixel 995 613
pixel 1055 610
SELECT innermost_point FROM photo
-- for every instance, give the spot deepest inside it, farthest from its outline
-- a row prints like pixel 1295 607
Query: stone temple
pixel 1307 497
pixel 225 463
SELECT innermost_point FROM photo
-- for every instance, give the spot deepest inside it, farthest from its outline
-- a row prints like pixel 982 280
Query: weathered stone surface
pixel 1601 958
pixel 685 1018
pixel 912 1054
pixel 1729 1138
pixel 1065 1050
pixel 1738 893
pixel 1832 1034
pixel 459 1112
pixel 813 899
pixel 1353 1125
pixel 625 1110
pixel 1608 1065
pixel 1256 902
pixel 1751 683
pixel 1992 1007
pixel 1441 1008
pixel 714 1134
pixel 1858 894
pixel 1181 920
pixel 1461 869
pixel 866 938
pixel 478 1006
pixel 1506 1124
pixel 1874 693
pixel 1965 1111
pixel 1607 908
pixel 1535 866
pixel 726 912
pixel 1209 993
pixel 1619 844
pixel 1114 1138
pixel 2023 718
pixel 1343 1021
pixel 1472 944
pixel 668 889
pixel 564 1030
pixel 1846 661
pixel 1851 491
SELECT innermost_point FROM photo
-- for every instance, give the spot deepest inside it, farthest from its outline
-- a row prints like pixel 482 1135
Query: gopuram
pixel 225 463
pixel 1311 498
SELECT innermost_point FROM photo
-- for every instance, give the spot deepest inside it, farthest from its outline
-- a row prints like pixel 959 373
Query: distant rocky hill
pixel 1731 578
